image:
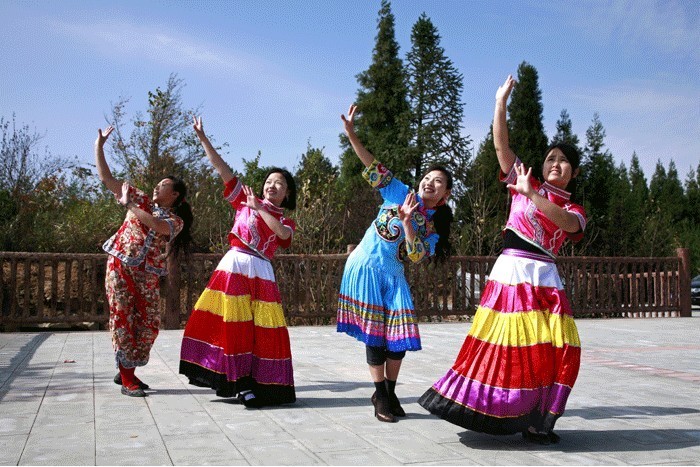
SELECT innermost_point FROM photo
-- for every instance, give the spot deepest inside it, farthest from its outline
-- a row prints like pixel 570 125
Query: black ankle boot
pixel 394 404
pixel 380 400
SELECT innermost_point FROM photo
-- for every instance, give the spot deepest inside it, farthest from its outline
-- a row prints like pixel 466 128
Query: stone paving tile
pixel 11 447
pixel 16 424
pixel 623 409
pixel 278 453
pixel 72 444
pixel 358 456
pixel 214 449
pixel 137 446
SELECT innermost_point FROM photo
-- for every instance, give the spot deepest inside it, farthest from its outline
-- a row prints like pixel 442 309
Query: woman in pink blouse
pixel 152 229
pixel 521 357
pixel 236 338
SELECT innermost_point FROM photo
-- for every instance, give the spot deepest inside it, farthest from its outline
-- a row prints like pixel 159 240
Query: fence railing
pixel 37 288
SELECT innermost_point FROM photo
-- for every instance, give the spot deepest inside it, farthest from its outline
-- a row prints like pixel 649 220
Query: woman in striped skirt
pixel 236 339
pixel 521 357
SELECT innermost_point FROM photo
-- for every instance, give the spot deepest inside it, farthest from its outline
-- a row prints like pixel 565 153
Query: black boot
pixel 394 404
pixel 380 400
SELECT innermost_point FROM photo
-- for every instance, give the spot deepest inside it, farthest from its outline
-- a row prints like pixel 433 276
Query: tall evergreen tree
pixel 597 181
pixel 619 241
pixel 526 130
pixel 382 125
pixel 382 100
pixel 435 93
pixel 565 132
pixel 638 205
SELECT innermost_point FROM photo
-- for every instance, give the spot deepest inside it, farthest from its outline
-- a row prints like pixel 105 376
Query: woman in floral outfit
pixel 137 251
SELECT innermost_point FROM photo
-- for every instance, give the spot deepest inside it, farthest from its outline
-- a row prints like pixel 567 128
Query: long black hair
pixel 442 218
pixel 290 201
pixel 182 209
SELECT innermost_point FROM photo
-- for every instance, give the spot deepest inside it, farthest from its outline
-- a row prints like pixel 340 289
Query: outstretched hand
pixel 102 137
pixel 125 197
pixel 522 183
pixel 409 206
pixel 251 200
pixel 197 125
pixel 505 89
pixel 349 122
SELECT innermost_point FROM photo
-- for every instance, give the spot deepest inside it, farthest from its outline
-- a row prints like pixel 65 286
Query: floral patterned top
pixel 385 239
pixel 526 221
pixel 137 245
pixel 249 230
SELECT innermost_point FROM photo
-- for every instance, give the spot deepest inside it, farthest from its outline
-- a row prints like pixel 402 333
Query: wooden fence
pixel 68 289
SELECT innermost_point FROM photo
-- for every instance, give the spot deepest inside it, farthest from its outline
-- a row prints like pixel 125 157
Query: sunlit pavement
pixel 636 401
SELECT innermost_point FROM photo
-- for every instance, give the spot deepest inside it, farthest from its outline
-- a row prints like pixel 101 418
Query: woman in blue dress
pixel 375 304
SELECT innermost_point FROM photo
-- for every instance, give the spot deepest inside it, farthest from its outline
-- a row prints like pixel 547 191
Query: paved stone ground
pixel 637 401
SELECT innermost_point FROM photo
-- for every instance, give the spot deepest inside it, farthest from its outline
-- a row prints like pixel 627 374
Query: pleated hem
pixel 267 394
pixel 463 416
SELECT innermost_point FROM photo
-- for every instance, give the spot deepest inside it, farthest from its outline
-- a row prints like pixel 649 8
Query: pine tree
pixel 435 92
pixel 619 241
pixel 526 130
pixel 382 101
pixel 597 180
pixel 638 205
pixel 382 125
pixel 565 133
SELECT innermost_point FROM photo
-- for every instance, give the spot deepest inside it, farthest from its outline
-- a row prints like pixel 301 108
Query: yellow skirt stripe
pixel 521 329
pixel 241 308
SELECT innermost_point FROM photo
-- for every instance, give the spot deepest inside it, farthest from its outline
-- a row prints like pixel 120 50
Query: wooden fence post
pixel 684 282
pixel 171 315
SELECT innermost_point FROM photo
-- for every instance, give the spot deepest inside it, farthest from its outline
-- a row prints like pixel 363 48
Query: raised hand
pixel 251 200
pixel 197 125
pixel 410 204
pixel 102 137
pixel 522 183
pixel 349 122
pixel 125 198
pixel 504 90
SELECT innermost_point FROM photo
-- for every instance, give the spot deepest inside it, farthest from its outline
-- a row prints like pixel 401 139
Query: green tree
pixel 484 204
pixel 382 125
pixel 598 177
pixel 320 214
pixel 526 130
pixel 619 241
pixel 161 142
pixel 638 206
pixel 565 132
pixel 435 95
pixel 23 167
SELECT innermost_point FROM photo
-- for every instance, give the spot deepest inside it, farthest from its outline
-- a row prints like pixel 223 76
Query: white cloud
pixel 179 51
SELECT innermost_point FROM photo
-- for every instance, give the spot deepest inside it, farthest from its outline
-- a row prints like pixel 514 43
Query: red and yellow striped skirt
pixel 521 357
pixel 236 338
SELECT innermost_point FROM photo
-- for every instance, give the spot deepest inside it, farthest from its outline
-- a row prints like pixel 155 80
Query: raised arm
pixel 506 156
pixel 112 184
pixel 365 156
pixel 214 157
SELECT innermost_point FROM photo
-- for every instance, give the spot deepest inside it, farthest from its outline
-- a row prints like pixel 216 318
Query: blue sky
pixel 274 75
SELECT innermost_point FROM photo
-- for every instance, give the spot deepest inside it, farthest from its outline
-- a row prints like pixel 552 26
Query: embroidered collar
pixel 271 208
pixel 427 213
pixel 556 191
